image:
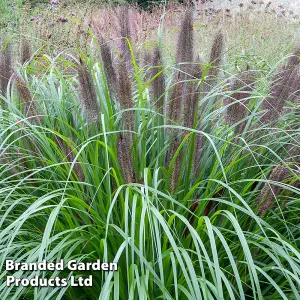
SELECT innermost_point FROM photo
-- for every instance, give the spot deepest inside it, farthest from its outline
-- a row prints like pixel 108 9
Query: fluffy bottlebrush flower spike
pixel 30 107
pixel 88 94
pixel 216 54
pixel 125 34
pixel 185 55
pixel 285 87
pixel 25 52
pixel 176 167
pixel 242 86
pixel 185 43
pixel 181 92
pixel 124 158
pixel 108 67
pixel 125 141
pixel 125 96
pixel 5 69
pixel 158 84
pixel 192 95
pixel 269 192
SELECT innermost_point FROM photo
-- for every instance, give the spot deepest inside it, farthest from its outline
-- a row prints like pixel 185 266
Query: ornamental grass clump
pixel 71 190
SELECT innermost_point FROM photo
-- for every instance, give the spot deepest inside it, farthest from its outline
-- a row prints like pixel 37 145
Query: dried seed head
pixel 126 35
pixel 216 54
pixel 242 87
pixel 175 103
pixel 192 96
pixel 285 87
pixel 158 84
pixel 88 94
pixel 176 167
pixel 5 69
pixel 25 52
pixel 185 43
pixel 124 95
pixel 269 192
pixel 125 160
pixel 108 67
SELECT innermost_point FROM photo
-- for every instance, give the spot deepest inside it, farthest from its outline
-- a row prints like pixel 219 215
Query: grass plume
pixel 27 99
pixel 236 104
pixel 109 70
pixel 284 87
pixel 25 51
pixel 158 84
pixel 5 68
pixel 88 93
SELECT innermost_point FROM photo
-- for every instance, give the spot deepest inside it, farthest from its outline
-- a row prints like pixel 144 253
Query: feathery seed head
pixel 108 66
pixel 30 107
pixel 125 34
pixel 242 86
pixel 88 93
pixel 158 84
pixel 5 69
pixel 216 54
pixel 269 192
pixel 185 43
pixel 25 52
pixel 124 95
pixel 192 95
pixel 284 87
pixel 124 158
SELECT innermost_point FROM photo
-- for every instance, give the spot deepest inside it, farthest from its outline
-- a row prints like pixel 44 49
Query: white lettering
pixel 9 265
pixel 10 280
